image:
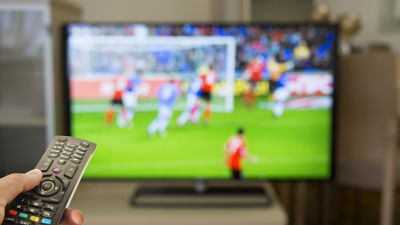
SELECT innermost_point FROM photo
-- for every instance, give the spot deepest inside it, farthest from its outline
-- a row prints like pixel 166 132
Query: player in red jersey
pixel 236 151
pixel 208 79
pixel 119 83
pixel 253 75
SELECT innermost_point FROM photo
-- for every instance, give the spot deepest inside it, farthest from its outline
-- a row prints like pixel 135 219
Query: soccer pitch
pixel 294 146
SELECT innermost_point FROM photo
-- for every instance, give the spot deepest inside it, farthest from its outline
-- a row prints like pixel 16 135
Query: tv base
pixel 200 195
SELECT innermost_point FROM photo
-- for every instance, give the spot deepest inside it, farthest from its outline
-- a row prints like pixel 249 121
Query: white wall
pixel 161 10
pixel 371 16
pixel 281 10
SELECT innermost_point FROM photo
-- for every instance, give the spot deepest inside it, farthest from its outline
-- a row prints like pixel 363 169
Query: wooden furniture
pixel 367 130
pixel 108 203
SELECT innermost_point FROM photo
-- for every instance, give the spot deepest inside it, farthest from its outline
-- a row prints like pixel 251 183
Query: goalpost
pixel 203 46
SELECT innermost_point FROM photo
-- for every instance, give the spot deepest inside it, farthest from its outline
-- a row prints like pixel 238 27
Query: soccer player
pixel 167 95
pixel 278 87
pixel 253 75
pixel 208 79
pixel 119 83
pixel 280 96
pixel 236 151
pixel 192 108
pixel 129 100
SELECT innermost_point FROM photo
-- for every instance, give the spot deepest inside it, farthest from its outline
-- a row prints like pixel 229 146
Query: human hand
pixel 14 184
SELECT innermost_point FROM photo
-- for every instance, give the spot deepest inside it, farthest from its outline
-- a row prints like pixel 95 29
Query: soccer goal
pixel 96 60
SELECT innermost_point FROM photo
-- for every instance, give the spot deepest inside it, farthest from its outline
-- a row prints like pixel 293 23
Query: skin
pixel 14 184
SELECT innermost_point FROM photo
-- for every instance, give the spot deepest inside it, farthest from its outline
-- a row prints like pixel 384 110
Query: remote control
pixel 62 166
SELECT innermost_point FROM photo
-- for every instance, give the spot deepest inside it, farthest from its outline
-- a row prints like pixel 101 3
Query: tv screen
pixel 197 101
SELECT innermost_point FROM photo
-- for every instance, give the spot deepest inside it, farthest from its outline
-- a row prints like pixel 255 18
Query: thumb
pixel 13 184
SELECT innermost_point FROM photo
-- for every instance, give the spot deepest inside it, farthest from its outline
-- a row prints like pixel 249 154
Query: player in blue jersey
pixel 280 95
pixel 129 100
pixel 192 97
pixel 167 95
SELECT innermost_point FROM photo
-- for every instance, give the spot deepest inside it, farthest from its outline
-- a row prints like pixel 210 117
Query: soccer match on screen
pixel 192 101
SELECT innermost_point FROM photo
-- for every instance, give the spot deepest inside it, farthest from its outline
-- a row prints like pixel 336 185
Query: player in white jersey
pixel 192 98
pixel 167 95
pixel 280 95
pixel 129 100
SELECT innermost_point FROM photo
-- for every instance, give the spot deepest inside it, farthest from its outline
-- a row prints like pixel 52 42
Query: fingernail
pixel 34 172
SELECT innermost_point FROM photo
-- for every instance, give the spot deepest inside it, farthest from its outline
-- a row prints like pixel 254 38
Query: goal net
pixel 95 61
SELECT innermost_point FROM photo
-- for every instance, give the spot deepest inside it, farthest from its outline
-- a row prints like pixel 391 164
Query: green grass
pixel 293 146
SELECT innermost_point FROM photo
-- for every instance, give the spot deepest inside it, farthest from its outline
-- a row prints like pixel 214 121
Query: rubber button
pixel 47 185
pixel 23 215
pixel 34 219
pixel 56 170
pixel 12 212
pixel 46 221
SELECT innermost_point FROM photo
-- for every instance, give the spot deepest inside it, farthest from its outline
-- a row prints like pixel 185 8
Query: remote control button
pixel 47 214
pixel 46 165
pixel 80 152
pixel 64 181
pixel 71 170
pixel 77 156
pixel 83 149
pixel 68 149
pixel 23 215
pixel 52 155
pixel 46 221
pixel 57 148
pixel 19 207
pixel 11 220
pixel 29 195
pixel 23 201
pixel 55 199
pixel 58 144
pixel 62 139
pixel 12 212
pixel 66 153
pixel 33 211
pixel 71 145
pixel 61 161
pixel 77 161
pixel 56 170
pixel 24 222
pixel 65 157
pixel 35 204
pixel 34 219
pixel 52 208
pixel 55 151
pixel 85 144
pixel 48 187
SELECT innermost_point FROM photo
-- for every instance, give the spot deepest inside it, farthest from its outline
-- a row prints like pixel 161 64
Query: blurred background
pixel 366 163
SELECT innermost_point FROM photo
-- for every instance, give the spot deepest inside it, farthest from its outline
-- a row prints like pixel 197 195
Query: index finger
pixel 13 184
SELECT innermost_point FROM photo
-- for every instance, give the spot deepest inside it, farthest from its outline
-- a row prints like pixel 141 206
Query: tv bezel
pixel 334 109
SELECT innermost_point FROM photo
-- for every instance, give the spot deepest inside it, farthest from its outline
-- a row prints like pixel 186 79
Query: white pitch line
pixel 201 163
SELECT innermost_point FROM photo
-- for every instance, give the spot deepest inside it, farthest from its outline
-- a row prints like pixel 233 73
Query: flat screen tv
pixel 204 101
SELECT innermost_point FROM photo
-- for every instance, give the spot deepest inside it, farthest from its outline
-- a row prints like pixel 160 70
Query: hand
pixel 14 184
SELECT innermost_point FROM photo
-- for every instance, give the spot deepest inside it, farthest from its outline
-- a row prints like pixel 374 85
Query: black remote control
pixel 62 166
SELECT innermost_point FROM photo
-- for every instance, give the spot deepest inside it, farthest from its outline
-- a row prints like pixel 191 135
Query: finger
pixel 14 184
pixel 72 217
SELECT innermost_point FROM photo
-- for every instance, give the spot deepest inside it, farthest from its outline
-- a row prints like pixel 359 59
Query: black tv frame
pixel 334 109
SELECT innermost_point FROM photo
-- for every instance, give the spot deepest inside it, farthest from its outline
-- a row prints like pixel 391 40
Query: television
pixel 203 101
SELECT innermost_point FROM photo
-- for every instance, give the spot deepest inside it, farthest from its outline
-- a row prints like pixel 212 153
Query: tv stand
pixel 201 193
